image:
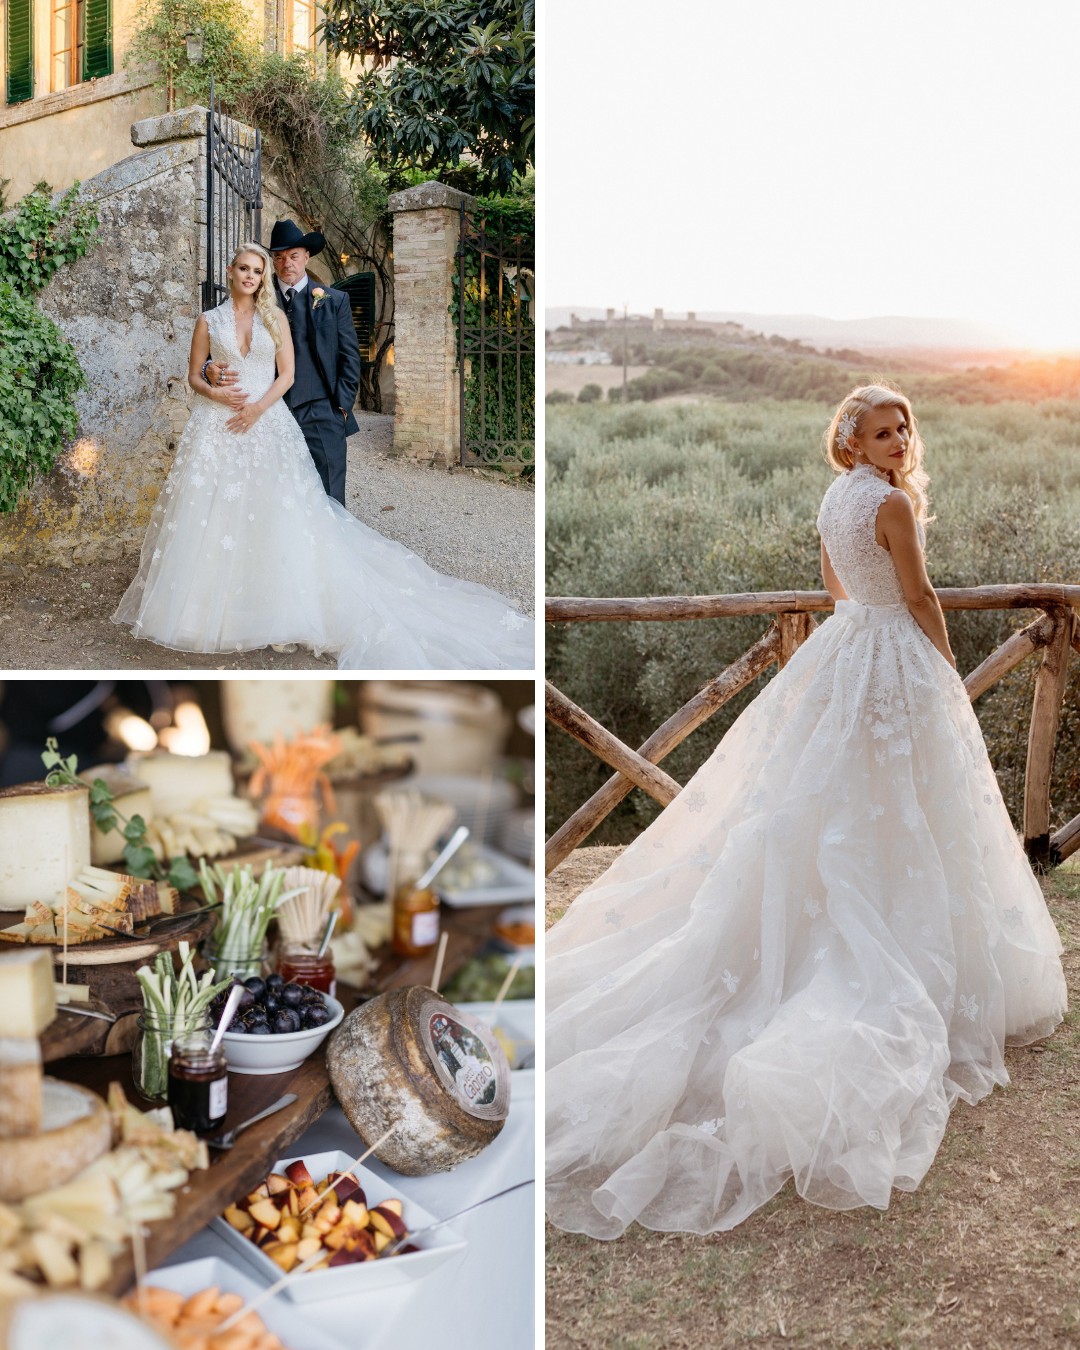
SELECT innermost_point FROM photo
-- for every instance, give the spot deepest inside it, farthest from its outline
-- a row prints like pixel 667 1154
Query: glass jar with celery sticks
pixel 175 1003
pixel 247 904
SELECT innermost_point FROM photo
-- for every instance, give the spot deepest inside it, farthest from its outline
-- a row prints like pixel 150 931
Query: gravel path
pixel 467 523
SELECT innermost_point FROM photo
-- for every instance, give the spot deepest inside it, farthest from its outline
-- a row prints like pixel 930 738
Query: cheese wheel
pixel 132 797
pixel 75 1319
pixel 75 1130
pixel 410 1060
pixel 20 1086
pixel 44 842
pixel 177 782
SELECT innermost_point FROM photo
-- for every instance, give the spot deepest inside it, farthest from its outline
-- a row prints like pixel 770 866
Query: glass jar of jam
pixel 198 1083
pixel 300 965
pixel 416 921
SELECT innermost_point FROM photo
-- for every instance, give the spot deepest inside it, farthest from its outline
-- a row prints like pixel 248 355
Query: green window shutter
pixel 97 39
pixel 20 50
pixel 360 288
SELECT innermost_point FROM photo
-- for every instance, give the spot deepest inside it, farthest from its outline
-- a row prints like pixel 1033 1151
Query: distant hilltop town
pixel 659 323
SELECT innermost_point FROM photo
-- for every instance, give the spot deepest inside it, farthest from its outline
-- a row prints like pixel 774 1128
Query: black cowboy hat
pixel 286 234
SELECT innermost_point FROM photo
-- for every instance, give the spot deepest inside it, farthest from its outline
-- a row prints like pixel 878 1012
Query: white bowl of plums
pixel 277 1024
pixel 311 1205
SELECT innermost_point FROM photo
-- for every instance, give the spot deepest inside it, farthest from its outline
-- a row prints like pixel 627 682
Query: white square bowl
pixel 289 1327
pixel 440 1246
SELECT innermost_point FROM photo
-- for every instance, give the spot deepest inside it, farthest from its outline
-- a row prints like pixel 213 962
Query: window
pixel 299 25
pixel 67 43
pixel 20 51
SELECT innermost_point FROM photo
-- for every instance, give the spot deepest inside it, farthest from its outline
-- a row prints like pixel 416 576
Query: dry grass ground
pixel 573 379
pixel 984 1256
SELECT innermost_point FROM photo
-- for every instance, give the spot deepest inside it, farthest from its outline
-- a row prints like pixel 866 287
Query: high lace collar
pixel 867 469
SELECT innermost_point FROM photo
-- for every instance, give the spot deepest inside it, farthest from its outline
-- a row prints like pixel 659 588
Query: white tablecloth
pixel 482 1300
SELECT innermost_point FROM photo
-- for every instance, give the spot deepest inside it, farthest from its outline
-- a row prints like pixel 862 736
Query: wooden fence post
pixel 1045 716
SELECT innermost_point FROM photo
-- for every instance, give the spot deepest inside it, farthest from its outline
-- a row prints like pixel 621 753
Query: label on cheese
pixel 464 1062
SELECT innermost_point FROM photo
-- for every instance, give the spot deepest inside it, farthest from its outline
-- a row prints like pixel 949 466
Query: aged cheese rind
pixel 20 1086
pixel 75 1131
pixel 132 797
pixel 27 993
pixel 177 782
pixel 44 842
pixel 384 1077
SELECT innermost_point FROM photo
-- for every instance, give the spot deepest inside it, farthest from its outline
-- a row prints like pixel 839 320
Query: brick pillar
pixel 427 401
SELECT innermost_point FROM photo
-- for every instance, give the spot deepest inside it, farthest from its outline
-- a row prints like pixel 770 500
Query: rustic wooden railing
pixel 1052 632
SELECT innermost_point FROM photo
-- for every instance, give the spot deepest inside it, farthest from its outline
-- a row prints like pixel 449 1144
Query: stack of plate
pixel 482 803
pixel 517 834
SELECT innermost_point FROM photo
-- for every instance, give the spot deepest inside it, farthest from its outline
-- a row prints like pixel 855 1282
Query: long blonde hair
pixel 910 477
pixel 265 304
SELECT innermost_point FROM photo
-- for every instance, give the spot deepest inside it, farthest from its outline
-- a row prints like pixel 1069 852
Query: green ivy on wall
pixel 39 371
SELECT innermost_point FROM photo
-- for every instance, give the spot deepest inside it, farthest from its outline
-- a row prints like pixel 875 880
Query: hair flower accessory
pixel 845 429
pixel 318 295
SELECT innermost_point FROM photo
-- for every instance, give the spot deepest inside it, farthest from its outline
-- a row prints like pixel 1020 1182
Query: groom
pixel 327 353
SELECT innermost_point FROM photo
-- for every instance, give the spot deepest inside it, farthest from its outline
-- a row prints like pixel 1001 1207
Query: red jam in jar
pixel 198 1083
pixel 303 967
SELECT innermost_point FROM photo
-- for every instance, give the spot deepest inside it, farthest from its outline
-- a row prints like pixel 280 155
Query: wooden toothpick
pixel 444 937
pixel 349 1171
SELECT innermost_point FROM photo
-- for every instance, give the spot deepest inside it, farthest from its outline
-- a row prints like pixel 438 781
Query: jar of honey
pixel 416 921
pixel 300 965
pixel 198 1083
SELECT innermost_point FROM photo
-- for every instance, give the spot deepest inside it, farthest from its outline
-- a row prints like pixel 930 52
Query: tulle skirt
pixel 244 549
pixel 823 942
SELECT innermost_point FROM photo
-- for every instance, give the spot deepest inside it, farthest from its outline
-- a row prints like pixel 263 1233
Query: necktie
pixel 289 295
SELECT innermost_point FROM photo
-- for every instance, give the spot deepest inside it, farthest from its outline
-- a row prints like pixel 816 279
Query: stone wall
pixel 129 308
pixel 426 396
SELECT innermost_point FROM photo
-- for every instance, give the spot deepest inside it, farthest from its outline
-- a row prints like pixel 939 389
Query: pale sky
pixel 848 158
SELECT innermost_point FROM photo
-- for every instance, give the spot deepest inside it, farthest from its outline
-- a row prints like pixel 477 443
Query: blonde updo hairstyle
pixel 265 304
pixel 910 477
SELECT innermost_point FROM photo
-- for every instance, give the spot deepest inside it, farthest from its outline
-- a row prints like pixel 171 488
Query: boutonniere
pixel 318 295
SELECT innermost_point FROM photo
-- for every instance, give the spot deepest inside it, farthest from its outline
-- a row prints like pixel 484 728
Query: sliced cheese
pixel 44 842
pixel 20 1086
pixel 132 797
pixel 27 994
pixel 75 1130
pixel 177 782
pixel 407 1059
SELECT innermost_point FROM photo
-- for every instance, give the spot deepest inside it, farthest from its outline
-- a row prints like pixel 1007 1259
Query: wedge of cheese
pixel 177 782
pixel 44 842
pixel 27 992
pixel 132 797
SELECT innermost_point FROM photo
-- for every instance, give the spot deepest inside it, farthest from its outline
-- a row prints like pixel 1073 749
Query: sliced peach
pixel 307 1247
pixel 289 1231
pixel 298 1174
pixel 265 1212
pixel 344 1257
pixel 386 1221
pixel 355 1213
pixel 275 1183
pixel 381 1240
pixel 307 1198
pixel 236 1217
pixel 346 1187
pixel 283 1254
pixel 395 1205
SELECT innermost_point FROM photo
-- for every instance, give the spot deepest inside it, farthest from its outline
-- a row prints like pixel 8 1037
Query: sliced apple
pixel 381 1240
pixel 308 1198
pixel 395 1205
pixel 345 1257
pixel 346 1187
pixel 276 1183
pixel 308 1247
pixel 289 1230
pixel 283 1255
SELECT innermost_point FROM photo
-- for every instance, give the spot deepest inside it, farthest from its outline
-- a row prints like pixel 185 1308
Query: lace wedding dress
pixel 826 939
pixel 244 549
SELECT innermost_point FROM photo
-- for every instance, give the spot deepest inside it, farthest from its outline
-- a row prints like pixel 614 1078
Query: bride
pixel 828 937
pixel 244 548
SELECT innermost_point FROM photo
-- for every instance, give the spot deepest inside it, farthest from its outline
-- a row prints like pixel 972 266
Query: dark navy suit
pixel 327 377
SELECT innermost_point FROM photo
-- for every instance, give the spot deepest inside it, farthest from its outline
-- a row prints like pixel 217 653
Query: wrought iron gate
pixel 496 342
pixel 233 196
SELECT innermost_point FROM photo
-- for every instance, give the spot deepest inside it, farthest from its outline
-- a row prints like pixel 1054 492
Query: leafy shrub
pixel 39 378
pixel 590 393
pixel 559 396
pixel 722 497
pixel 39 371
